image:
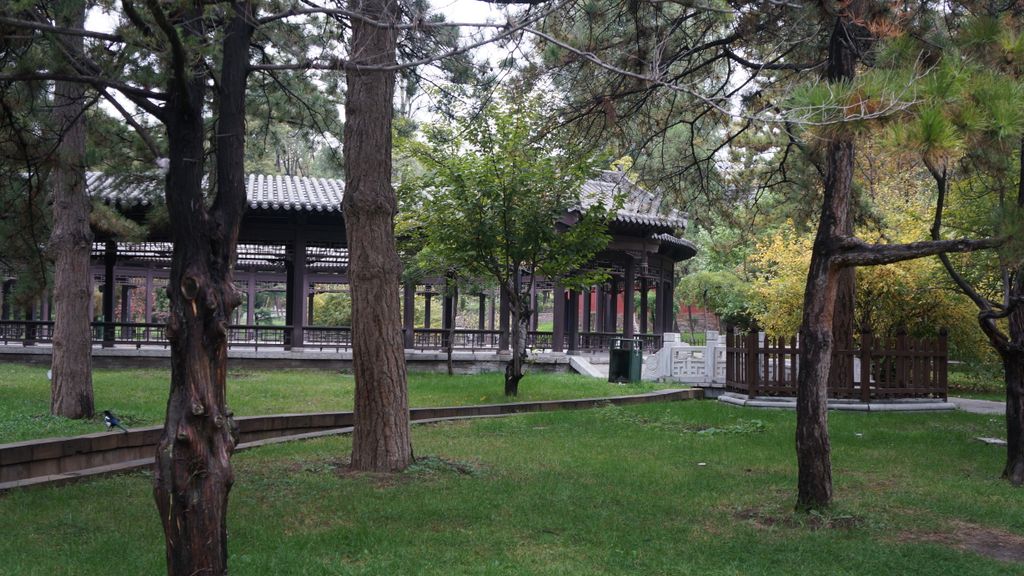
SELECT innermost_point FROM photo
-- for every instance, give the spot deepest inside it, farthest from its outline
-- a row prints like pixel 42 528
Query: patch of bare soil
pixel 982 540
pixel 762 519
pixel 424 468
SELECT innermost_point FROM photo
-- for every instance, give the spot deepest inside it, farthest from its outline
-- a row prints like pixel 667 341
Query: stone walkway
pixel 979 406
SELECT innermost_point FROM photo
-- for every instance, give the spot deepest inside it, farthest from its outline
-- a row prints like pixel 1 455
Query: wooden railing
pixel 876 368
pixel 462 339
pixel 257 335
pixel 139 334
pixel 26 332
pixel 323 337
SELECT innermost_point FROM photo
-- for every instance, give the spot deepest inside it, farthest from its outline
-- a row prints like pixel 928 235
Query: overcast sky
pixel 467 11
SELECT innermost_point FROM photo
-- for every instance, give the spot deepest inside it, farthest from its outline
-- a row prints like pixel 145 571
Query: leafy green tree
pixel 502 200
pixel 724 293
pixel 333 309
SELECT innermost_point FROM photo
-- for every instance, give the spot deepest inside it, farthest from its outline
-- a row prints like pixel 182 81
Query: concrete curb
pixel 55 461
pixel 912 405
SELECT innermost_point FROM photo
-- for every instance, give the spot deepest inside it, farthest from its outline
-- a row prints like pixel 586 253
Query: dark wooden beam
pixel 629 282
pixel 109 260
pixel 558 319
pixel 409 315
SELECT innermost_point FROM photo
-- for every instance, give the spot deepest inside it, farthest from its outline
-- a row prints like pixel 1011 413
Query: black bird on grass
pixel 112 421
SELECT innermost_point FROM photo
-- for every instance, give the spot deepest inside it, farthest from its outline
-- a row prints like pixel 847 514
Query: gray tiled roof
pixel 262 191
pixel 294 192
pixel 269 192
pixel 125 191
pixel 640 206
pixel 676 244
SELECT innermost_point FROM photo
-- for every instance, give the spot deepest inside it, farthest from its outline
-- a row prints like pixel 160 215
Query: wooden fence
pixel 874 368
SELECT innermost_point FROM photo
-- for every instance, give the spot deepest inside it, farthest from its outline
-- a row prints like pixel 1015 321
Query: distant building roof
pixel 640 206
pixel 270 192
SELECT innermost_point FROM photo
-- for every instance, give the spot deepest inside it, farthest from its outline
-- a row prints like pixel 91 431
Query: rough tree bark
pixel 1013 362
pixel 71 393
pixel 193 473
pixel 1013 366
pixel 380 440
pixel 814 484
pixel 519 311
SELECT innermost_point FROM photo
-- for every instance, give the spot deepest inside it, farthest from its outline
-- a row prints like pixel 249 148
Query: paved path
pixel 979 406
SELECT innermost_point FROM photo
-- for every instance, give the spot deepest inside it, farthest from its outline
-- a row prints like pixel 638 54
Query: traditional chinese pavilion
pixel 292 248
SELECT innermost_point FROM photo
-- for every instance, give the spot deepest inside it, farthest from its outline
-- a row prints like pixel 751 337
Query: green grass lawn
pixel 682 488
pixel 139 397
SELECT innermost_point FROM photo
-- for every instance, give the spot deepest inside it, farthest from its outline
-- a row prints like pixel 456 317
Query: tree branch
pixel 418 23
pixel 850 251
pixel 942 184
pixel 135 18
pixel 139 128
pixel 178 56
pixel 43 27
pixel 768 65
pixel 127 89
pixel 338 63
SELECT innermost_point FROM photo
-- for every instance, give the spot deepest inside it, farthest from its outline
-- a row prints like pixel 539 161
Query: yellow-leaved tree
pixel 911 295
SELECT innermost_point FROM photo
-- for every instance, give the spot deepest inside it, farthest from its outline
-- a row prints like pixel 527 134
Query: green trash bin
pixel 625 360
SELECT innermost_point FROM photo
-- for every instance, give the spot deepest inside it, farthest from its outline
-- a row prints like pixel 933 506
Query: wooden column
pixel 5 299
pixel 613 306
pixel 448 308
pixel 558 319
pixel 147 306
pixel 643 306
pixel 309 306
pixel 289 306
pixel 659 307
pixel 44 306
pixel 126 302
pixel 250 300
pixel 627 299
pixel 409 315
pixel 109 259
pixel 92 307
pixel 427 294
pixel 668 324
pixel 587 295
pixel 30 329
pixel 494 310
pixel 504 316
pixel 574 321
pixel 126 311
pixel 602 309
pixel 533 306
pixel 483 311
pixel 297 291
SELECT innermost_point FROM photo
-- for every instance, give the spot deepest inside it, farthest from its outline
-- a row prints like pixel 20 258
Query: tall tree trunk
pixel 380 440
pixel 519 317
pixel 71 242
pixel 519 312
pixel 814 483
pixel 1013 362
pixel 1013 366
pixel 193 473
